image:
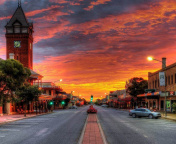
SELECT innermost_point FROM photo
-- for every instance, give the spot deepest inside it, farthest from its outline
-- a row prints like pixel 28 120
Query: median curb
pixel 83 131
pixel 101 131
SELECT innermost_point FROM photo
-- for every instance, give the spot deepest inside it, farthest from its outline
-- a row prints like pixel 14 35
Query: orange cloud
pixel 98 2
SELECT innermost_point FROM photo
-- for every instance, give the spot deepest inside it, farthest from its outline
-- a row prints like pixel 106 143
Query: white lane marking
pixel 9 130
pixel 30 123
pixel 1 136
pixel 15 126
pixel 41 132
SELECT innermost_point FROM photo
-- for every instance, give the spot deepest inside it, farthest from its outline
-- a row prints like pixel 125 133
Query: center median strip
pixel 92 132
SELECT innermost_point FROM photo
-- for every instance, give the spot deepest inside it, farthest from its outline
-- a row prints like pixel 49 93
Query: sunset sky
pixel 96 45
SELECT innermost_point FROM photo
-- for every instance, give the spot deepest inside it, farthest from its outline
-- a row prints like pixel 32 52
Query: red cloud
pixel 94 3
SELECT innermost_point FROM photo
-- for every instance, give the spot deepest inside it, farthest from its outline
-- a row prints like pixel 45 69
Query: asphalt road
pixel 120 128
pixel 61 127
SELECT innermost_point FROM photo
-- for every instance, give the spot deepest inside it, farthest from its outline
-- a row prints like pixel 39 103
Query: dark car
pixel 143 112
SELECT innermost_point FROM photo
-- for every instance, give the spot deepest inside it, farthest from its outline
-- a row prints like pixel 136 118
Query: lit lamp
pixel 163 67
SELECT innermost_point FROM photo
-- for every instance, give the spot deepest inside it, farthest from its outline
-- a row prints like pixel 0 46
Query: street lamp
pixel 150 59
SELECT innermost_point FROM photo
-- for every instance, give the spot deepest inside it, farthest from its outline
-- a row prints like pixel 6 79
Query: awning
pixel 149 94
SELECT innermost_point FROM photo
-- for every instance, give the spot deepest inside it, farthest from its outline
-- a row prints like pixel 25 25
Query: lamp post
pixel 150 59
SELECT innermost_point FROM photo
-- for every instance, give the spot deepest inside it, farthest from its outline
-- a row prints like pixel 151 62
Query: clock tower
pixel 19 38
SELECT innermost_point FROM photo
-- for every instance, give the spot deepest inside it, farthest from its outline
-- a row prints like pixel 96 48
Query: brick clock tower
pixel 19 38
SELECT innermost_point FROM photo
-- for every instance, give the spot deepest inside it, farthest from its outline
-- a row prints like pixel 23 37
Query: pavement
pixel 120 128
pixel 92 134
pixel 14 117
pixel 60 127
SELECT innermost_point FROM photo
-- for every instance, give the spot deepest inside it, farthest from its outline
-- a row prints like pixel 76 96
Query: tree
pixel 12 76
pixel 28 93
pixel 136 86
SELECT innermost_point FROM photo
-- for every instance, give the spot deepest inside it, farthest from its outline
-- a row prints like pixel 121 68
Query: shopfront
pixel 149 100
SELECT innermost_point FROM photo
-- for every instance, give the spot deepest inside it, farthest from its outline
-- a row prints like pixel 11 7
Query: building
pixel 155 98
pixel 19 46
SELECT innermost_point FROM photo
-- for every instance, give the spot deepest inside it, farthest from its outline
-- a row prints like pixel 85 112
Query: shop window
pixel 162 104
pixel 171 79
pixel 44 92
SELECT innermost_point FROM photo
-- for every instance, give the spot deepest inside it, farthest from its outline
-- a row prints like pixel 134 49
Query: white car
pixel 104 105
pixel 73 107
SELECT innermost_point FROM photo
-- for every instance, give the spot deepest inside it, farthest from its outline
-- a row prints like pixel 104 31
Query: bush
pixel 174 107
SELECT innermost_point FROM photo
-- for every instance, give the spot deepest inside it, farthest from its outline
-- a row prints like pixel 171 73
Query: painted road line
pixel 41 132
pixel 1 136
pixel 14 126
pixel 101 131
pixel 9 130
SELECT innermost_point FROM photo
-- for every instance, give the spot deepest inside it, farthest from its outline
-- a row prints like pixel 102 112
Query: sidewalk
pixel 14 117
pixel 92 133
pixel 170 116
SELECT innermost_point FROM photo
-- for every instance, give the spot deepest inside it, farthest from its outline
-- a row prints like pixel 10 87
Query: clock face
pixel 17 44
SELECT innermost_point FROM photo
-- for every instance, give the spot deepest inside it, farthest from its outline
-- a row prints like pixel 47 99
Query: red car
pixel 91 110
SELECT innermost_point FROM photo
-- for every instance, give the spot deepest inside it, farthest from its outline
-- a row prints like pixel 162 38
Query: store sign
pixel 171 93
pixel 163 94
pixel 162 78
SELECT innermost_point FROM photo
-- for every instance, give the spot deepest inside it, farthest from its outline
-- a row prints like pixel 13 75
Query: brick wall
pixel 23 54
pixel 153 79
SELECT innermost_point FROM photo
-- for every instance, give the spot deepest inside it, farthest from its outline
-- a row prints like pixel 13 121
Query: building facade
pixel 19 38
pixel 156 99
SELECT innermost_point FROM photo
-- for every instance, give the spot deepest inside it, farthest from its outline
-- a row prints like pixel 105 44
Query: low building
pixel 156 99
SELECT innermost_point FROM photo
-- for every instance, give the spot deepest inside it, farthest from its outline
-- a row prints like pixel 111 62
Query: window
pixel 17 57
pixel 9 30
pixel 11 55
pixel 17 27
pixel 155 83
pixel 150 85
pixel 158 82
pixel 175 77
pixel 24 30
pixel 49 92
pixel 168 80
pixel 44 92
pixel 171 79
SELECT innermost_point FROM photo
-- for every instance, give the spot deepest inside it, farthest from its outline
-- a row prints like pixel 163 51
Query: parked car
pixel 73 107
pixel 104 105
pixel 144 112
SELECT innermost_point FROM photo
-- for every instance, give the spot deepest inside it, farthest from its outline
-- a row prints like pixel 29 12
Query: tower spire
pixel 19 3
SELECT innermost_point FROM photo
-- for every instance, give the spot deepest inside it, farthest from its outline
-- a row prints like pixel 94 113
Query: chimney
pixel 163 63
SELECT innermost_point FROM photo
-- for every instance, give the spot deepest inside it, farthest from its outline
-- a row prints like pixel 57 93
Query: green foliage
pixel 12 76
pixel 137 86
pixel 174 107
pixel 28 93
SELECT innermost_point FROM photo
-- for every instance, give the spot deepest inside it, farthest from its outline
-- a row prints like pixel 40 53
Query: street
pixel 65 127
pixel 120 128
pixel 61 127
